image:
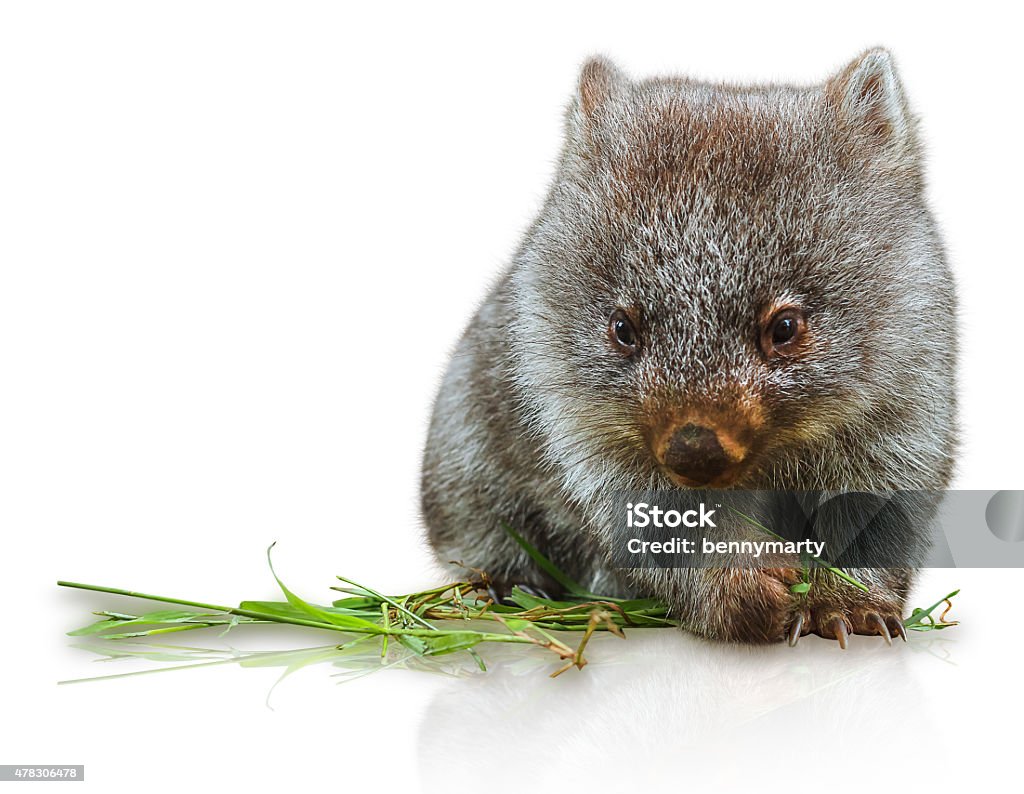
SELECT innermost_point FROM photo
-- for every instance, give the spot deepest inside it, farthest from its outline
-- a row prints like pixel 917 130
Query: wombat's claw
pixel 874 619
pixel 882 623
pixel 796 630
pixel 838 626
pixel 536 592
pixel 841 632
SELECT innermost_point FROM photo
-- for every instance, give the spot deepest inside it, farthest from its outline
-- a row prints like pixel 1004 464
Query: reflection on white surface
pixel 659 706
pixel 671 707
pixel 342 663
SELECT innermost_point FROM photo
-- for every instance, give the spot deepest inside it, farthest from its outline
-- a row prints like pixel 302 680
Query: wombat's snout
pixel 700 455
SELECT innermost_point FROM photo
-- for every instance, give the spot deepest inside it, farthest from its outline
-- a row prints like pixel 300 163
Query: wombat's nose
pixel 694 452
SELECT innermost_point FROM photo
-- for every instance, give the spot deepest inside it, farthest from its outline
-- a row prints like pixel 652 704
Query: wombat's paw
pixel 746 605
pixel 838 623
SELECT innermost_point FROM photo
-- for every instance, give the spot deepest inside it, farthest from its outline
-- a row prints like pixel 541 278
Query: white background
pixel 238 242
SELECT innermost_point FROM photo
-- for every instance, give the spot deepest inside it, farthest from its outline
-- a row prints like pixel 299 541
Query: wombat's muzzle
pixel 701 455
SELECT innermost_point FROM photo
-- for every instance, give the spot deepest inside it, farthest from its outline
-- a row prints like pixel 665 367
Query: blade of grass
pixel 547 566
pixel 918 616
pixel 417 619
pixel 343 621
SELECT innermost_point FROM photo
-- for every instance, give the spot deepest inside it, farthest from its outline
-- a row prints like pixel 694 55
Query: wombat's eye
pixel 781 335
pixel 622 333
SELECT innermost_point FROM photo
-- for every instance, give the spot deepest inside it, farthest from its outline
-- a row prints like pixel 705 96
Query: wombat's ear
pixel 869 96
pixel 600 82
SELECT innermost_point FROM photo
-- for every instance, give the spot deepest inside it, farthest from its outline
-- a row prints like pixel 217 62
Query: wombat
pixel 728 286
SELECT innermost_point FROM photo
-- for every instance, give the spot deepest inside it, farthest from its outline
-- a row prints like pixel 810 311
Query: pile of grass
pixel 455 617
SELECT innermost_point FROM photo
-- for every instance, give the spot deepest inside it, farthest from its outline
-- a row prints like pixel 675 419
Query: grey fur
pixel 697 205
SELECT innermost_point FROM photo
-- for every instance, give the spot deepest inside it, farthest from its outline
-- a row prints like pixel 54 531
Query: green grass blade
pixel 916 620
pixel 321 614
pixel 409 614
pixel 546 565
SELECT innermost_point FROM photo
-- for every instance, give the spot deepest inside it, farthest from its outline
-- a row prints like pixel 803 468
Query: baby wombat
pixel 727 287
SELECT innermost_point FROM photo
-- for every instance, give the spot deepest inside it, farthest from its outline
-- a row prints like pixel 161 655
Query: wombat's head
pixel 721 274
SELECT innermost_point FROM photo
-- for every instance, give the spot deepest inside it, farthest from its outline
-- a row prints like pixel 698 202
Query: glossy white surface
pixel 659 707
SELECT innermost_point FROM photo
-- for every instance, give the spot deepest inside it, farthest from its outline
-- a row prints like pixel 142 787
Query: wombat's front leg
pixel 756 605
